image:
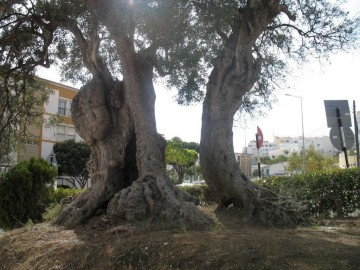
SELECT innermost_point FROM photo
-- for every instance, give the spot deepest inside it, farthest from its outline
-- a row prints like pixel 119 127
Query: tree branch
pixel 284 9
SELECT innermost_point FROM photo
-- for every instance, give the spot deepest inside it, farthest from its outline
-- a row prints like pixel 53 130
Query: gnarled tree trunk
pixel 234 74
pixel 127 167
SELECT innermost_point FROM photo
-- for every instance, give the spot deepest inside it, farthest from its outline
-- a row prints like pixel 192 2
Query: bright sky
pixel 316 82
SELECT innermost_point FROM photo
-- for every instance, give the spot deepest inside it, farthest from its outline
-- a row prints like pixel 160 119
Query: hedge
pixel 322 193
pixel 201 192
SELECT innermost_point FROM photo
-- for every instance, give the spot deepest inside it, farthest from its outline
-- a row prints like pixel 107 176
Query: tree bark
pixel 127 167
pixel 234 73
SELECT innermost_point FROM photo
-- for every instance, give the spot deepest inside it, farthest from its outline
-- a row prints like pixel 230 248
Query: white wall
pixel 47 150
pixel 52 105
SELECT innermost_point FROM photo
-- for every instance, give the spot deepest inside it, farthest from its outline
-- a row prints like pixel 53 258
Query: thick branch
pixel 284 9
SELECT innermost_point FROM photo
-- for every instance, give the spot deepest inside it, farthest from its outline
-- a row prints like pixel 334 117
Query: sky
pixel 338 79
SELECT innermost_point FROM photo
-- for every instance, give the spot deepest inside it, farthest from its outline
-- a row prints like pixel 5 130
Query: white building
pixel 295 144
pixel 277 169
pixel 42 138
pixel 263 151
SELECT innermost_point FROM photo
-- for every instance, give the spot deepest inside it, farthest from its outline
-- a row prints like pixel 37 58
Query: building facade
pixel 245 162
pixel 263 151
pixel 42 138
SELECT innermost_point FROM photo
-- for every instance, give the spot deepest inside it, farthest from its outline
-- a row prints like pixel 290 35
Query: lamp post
pixel 302 126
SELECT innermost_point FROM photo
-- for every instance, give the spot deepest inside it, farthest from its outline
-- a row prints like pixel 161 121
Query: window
pixel 62 107
pixel 70 133
pixel 60 134
pixel 65 133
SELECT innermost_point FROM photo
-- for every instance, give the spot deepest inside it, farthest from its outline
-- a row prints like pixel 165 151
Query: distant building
pixel 245 162
pixel 263 151
pixel 277 169
pixel 295 144
pixel 351 160
pixel 42 138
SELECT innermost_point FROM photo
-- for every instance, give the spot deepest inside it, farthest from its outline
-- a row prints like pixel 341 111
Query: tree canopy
pixel 71 159
pixel 314 161
pixel 180 156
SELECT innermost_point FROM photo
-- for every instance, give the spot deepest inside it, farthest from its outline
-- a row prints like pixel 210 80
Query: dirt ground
pixel 229 245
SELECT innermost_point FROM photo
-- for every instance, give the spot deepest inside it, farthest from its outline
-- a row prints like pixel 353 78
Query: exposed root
pixel 153 201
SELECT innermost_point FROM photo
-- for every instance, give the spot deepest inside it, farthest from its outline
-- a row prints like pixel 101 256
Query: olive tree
pixel 257 40
pixel 116 48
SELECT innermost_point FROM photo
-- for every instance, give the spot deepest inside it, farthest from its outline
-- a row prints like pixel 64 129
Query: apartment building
pixel 263 151
pixel 42 138
pixel 245 162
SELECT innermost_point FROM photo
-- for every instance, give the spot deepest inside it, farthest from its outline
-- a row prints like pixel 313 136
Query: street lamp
pixel 302 125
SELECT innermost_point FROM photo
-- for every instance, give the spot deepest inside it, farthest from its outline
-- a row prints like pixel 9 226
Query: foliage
pixel 180 38
pixel 322 193
pixel 202 192
pixel 268 161
pixel 21 104
pixel 255 173
pixel 61 193
pixel 71 158
pixel 54 209
pixel 180 157
pixel 314 161
pixel 25 192
pixel 51 212
pixel 281 33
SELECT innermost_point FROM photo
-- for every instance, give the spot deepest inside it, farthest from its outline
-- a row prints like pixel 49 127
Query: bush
pixel 25 192
pixel 201 192
pixel 61 193
pixel 322 193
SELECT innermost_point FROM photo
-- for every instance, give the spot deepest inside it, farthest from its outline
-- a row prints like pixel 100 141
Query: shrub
pixel 25 192
pixel 61 193
pixel 201 192
pixel 322 193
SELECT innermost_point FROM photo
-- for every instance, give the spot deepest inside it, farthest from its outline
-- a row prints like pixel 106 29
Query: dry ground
pixel 230 245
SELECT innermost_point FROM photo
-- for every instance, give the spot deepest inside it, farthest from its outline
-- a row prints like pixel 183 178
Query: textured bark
pixel 127 167
pixel 234 73
pixel 103 120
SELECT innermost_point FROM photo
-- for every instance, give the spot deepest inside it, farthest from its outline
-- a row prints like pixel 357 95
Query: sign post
pixel 339 120
pixel 342 135
pixel 259 143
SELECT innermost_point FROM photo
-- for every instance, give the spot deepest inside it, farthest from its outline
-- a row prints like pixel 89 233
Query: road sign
pixel 330 108
pixel 336 140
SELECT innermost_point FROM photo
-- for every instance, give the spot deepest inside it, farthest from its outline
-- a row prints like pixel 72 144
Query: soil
pixel 231 244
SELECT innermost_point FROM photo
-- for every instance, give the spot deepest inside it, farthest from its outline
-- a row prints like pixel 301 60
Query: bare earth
pixel 230 245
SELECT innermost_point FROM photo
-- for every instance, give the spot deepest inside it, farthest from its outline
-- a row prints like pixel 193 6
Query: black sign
pixel 330 108
pixel 336 139
pixel 334 109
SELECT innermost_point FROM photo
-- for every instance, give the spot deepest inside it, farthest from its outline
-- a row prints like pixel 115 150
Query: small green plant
pixel 61 193
pixel 25 193
pixel 52 212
